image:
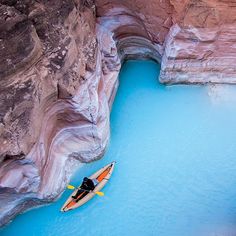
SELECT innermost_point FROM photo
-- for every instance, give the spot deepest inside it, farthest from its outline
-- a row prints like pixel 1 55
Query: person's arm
pixel 91 184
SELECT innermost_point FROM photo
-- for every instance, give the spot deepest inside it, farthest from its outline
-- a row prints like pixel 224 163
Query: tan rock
pixel 58 69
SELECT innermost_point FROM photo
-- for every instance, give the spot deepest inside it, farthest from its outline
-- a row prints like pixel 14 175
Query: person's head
pixel 85 179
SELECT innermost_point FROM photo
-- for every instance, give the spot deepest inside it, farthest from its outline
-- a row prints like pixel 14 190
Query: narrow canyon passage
pixel 176 159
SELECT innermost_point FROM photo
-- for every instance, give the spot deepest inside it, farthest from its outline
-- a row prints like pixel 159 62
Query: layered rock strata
pixel 50 103
pixel 58 69
pixel 200 46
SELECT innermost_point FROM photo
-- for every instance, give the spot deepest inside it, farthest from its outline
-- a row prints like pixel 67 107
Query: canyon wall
pixel 58 70
pixel 50 103
pixel 200 46
pixel 194 38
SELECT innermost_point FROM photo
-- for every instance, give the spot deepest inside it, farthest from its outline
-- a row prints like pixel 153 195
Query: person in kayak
pixel 88 184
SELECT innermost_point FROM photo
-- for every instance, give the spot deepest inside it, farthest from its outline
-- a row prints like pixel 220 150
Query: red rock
pixel 58 70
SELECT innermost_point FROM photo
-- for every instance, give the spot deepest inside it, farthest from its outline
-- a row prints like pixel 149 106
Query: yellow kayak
pixel 102 176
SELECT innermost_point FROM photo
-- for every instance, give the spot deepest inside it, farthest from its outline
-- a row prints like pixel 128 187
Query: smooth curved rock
pixel 49 101
pixel 58 69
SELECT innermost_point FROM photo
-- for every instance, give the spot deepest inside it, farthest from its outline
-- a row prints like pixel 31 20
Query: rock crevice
pixel 58 69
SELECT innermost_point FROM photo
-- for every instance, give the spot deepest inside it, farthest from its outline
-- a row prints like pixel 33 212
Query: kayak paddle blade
pixel 101 194
pixel 70 186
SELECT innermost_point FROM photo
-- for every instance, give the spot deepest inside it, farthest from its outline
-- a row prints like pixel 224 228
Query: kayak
pixel 102 176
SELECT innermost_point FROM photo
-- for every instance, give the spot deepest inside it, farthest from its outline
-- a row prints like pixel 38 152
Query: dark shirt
pixel 87 184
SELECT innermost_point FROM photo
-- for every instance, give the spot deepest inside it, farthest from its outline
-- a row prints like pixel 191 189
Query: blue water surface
pixel 176 166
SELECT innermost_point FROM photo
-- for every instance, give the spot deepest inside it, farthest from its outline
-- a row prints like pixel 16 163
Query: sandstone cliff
pixel 58 68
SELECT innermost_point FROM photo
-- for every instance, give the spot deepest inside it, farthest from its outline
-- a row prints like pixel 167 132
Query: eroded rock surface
pixel 58 70
pixel 200 46
pixel 48 98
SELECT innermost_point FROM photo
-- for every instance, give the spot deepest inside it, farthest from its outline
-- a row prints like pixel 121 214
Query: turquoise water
pixel 176 165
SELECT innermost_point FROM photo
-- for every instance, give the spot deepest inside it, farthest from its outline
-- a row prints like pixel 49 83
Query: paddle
pixel 101 194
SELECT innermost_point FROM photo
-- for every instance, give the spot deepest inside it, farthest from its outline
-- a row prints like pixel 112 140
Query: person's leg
pixel 77 194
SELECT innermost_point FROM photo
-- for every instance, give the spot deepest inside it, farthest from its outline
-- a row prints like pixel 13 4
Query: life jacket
pixel 87 184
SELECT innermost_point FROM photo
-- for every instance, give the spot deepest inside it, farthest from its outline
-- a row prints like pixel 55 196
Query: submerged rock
pixel 58 69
